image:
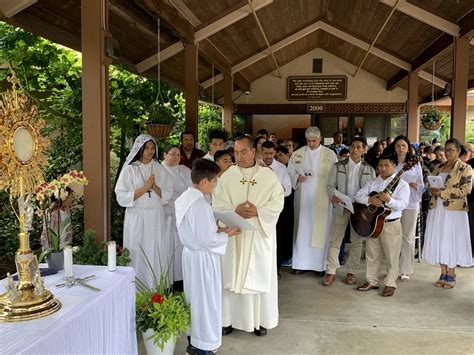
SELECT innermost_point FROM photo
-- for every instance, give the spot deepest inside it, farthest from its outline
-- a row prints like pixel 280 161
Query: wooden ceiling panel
pixel 283 56
pixel 412 36
pixel 449 10
pixel 64 15
pixel 207 11
pixel 291 14
pixel 361 18
pixel 239 41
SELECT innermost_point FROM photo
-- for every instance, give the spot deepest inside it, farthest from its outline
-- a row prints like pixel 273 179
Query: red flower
pixel 119 250
pixel 157 298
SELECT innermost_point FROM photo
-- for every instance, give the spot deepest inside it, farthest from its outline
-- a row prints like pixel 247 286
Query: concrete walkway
pixel 315 319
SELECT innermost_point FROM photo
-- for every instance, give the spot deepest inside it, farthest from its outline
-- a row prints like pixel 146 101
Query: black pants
pixel 284 229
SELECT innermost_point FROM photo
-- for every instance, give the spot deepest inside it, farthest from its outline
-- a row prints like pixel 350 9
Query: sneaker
pixel 405 277
pixel 286 263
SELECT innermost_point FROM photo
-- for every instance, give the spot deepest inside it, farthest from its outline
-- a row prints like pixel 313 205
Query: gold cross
pixel 253 182
pixel 243 181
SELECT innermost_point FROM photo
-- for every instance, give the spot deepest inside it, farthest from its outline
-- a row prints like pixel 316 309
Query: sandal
pixel 450 282
pixel 442 279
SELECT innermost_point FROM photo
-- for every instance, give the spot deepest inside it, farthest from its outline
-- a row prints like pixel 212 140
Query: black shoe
pixel 342 261
pixel 260 332
pixel 279 276
pixel 298 272
pixel 227 330
pixel 320 273
pixel 191 350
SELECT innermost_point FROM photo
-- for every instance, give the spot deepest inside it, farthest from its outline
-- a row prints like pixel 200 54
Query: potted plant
pixel 161 314
pixel 160 119
pixel 54 201
pixel 432 119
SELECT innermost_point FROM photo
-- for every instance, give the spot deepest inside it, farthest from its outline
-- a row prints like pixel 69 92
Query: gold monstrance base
pixel 28 299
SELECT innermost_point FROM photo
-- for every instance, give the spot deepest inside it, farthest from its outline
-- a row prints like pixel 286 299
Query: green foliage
pixel 8 229
pixel 159 309
pixel 92 254
pixel 209 118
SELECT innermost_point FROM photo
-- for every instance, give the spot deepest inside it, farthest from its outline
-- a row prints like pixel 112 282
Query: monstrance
pixel 21 159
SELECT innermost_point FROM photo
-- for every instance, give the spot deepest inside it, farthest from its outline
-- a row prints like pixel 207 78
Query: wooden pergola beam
pixel 202 33
pixel 10 8
pixel 441 44
pixel 170 17
pixel 424 16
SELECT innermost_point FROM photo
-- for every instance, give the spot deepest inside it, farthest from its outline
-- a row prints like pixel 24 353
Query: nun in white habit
pixel 143 187
pixel 181 180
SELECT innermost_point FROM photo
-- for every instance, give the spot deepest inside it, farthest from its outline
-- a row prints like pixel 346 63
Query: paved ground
pixel 315 319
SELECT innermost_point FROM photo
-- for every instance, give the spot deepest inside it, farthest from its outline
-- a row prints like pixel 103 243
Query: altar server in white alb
pixel 249 273
pixel 310 169
pixel 143 187
pixel 203 243
pixel 180 179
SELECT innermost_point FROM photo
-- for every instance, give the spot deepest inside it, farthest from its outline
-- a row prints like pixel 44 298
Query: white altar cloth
pixel 88 322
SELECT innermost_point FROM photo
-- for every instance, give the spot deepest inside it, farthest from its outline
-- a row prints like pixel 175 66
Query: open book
pixel 232 219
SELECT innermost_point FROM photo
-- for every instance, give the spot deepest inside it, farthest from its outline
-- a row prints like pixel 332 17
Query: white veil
pixel 140 141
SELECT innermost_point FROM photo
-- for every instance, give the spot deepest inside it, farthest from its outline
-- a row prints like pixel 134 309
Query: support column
pixel 191 88
pixel 95 117
pixel 459 88
pixel 228 104
pixel 413 122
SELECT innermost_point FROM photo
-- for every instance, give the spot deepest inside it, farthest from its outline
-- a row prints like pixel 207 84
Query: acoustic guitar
pixel 368 221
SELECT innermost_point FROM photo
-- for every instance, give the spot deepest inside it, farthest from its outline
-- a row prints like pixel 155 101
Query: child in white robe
pixel 203 244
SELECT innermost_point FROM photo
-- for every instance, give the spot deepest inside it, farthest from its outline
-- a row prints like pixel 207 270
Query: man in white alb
pixel 249 273
pixel 310 169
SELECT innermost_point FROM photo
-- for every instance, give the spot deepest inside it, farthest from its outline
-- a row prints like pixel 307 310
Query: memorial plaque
pixel 317 88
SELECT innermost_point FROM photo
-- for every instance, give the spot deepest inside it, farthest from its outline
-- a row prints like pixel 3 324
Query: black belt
pixel 391 220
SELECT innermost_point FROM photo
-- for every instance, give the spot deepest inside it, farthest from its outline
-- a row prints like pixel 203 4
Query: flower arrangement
pixel 432 119
pixel 52 198
pixel 160 309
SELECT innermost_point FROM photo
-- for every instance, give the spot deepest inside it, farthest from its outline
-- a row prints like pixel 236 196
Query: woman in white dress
pixel 143 187
pixel 447 237
pixel 181 180
pixel 414 178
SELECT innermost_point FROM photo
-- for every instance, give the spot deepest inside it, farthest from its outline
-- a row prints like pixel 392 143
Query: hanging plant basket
pixel 159 130
pixel 433 119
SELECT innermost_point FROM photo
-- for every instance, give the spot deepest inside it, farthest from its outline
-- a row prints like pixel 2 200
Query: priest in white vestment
pixel 180 179
pixel 309 169
pixel 249 273
pixel 143 187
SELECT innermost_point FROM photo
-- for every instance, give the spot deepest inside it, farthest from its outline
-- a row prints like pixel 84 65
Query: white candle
pixel 68 261
pixel 111 256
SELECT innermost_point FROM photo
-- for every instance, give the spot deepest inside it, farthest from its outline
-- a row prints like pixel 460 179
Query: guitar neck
pixel 391 186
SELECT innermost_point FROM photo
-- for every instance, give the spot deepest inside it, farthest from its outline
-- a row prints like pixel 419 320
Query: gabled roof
pixel 414 34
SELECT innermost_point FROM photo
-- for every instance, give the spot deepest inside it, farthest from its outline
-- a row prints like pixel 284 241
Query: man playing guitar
pixel 389 242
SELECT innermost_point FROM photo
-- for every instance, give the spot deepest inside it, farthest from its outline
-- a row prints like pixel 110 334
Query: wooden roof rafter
pixel 204 32
pixel 435 49
pixel 424 16
pixel 344 35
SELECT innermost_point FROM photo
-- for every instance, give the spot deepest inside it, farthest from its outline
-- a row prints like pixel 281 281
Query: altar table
pixel 88 322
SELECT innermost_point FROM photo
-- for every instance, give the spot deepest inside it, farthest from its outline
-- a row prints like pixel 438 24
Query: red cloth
pixel 196 154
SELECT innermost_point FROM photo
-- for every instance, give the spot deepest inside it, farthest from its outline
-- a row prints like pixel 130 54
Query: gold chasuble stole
pixel 321 198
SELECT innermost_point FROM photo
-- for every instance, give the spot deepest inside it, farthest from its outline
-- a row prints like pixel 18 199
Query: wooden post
pixel 228 104
pixel 413 122
pixel 191 88
pixel 459 88
pixel 95 117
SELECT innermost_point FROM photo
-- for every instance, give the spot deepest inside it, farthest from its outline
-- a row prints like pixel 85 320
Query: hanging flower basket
pixel 160 121
pixel 159 130
pixel 433 119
